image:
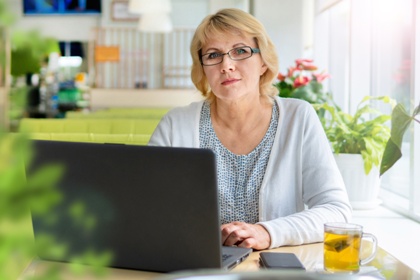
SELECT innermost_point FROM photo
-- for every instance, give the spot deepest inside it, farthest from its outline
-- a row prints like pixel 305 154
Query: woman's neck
pixel 240 117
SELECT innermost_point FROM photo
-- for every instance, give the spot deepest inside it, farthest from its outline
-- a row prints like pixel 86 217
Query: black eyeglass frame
pixel 253 50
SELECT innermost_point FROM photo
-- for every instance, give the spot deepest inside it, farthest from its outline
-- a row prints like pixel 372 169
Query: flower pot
pixel 362 189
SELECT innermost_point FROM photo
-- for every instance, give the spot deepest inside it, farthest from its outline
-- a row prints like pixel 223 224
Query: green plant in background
pixel 365 132
pixel 29 50
pixel 400 121
pixel 302 82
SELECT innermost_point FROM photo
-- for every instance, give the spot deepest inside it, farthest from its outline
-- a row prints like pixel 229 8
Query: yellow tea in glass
pixel 342 243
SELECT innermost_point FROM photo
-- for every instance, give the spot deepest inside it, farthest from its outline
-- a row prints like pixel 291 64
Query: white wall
pixel 215 5
pixel 188 13
pixel 285 23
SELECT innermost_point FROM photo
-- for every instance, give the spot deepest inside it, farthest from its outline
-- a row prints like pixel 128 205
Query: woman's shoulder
pixel 188 114
pixel 293 104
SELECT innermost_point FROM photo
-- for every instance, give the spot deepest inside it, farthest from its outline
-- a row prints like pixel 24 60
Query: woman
pixel 273 157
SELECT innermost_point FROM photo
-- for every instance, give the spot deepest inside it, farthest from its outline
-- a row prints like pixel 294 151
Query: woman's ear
pixel 263 69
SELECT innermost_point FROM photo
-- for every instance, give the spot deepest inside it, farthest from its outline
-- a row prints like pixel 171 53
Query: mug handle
pixel 374 248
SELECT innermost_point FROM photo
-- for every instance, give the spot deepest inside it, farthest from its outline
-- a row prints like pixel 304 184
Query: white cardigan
pixel 301 171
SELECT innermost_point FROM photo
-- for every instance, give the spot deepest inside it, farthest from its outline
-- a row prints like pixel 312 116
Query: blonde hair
pixel 237 22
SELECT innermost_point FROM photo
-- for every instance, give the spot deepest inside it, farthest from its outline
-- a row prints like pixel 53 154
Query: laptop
pixel 155 208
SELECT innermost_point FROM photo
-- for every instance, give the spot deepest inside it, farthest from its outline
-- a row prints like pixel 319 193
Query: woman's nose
pixel 227 64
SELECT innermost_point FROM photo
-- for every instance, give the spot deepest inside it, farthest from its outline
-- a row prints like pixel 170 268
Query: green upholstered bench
pixel 128 113
pixel 100 126
pixel 134 139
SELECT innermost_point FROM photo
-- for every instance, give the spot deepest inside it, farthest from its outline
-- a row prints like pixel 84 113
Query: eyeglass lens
pixel 234 54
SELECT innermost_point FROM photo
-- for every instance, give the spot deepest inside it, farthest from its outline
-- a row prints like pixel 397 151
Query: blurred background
pixel 56 56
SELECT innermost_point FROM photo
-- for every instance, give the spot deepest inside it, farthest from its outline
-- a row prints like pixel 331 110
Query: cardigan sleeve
pixel 161 135
pixel 315 183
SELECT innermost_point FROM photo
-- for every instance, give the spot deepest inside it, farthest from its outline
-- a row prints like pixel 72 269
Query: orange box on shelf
pixel 107 54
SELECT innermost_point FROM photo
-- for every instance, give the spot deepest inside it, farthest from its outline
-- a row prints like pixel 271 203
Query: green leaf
pixel 400 121
pixel 367 162
pixel 391 155
pixel 285 89
pixel 416 110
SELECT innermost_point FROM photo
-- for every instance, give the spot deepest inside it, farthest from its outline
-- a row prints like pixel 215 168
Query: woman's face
pixel 232 80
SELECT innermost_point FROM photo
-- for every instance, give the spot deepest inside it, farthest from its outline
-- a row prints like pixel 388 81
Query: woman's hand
pixel 245 235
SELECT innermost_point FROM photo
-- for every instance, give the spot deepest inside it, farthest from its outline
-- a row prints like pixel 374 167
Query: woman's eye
pixel 213 55
pixel 240 51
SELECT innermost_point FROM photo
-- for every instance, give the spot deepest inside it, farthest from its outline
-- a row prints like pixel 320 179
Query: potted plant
pixel 358 142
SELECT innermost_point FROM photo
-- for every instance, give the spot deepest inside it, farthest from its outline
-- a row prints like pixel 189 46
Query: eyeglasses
pixel 240 53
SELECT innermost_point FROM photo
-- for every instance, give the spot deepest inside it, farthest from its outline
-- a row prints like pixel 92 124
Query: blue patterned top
pixel 239 176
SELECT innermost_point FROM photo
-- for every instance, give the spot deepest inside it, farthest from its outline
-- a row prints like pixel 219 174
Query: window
pixel 370 48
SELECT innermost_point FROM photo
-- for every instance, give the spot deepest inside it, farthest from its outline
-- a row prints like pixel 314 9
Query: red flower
pixel 281 77
pixel 309 67
pixel 305 64
pixel 321 77
pixel 300 81
pixel 301 61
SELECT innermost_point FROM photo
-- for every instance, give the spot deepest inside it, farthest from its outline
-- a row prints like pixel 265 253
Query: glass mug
pixel 342 247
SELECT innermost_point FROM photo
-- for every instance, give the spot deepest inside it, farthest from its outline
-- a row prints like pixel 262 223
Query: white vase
pixel 362 189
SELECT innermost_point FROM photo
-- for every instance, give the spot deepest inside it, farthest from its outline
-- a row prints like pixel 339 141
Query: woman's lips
pixel 229 81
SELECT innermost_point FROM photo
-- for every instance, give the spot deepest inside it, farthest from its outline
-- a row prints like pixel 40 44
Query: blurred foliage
pixel 18 101
pixel 17 197
pixel 29 50
pixel 23 195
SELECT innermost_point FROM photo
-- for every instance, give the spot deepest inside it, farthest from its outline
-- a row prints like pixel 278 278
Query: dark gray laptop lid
pixel 156 208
